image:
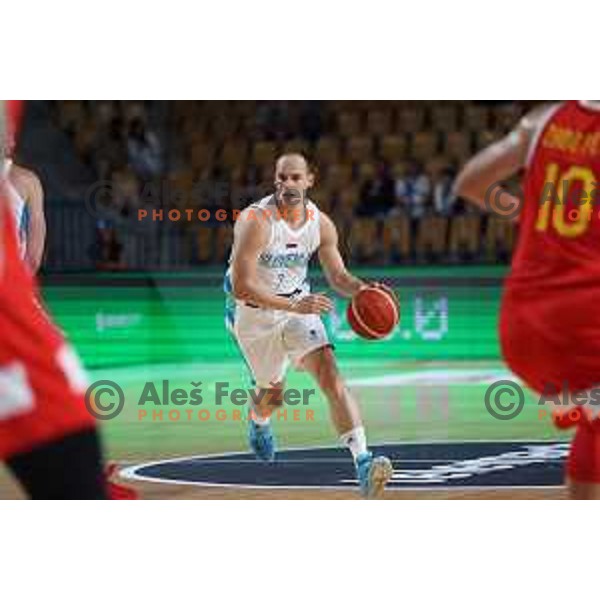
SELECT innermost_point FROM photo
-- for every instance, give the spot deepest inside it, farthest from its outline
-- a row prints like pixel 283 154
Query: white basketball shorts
pixel 271 339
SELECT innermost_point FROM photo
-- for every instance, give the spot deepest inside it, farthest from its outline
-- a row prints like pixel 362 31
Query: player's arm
pixel 481 179
pixel 3 143
pixel 339 278
pixel 250 239
pixel 29 186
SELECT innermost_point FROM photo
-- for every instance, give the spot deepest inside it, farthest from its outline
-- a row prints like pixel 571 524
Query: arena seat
pixel 424 144
pixel 444 117
pixel 339 175
pixel 431 238
pixel 506 117
pixel 364 238
pixel 393 148
pixel 396 238
pixel 499 237
pixel 264 153
pixel 181 184
pixel 359 148
pixel 223 240
pixel 234 152
pixel 465 236
pixel 379 122
pixel 226 141
pixel 222 127
pixel 410 118
pixel 476 117
pixel 365 171
pixel 349 123
pixel 201 155
pixel 322 197
pixel 204 244
pixel 457 145
pixel 327 150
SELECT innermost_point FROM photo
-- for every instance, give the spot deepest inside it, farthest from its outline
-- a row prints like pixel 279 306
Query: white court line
pixel 130 472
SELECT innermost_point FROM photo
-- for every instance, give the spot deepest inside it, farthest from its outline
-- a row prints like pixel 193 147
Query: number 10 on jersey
pixel 553 212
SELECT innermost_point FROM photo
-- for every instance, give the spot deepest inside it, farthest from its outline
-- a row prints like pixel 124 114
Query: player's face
pixel 291 183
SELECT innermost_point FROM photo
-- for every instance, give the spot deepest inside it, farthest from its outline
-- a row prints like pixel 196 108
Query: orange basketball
pixel 373 313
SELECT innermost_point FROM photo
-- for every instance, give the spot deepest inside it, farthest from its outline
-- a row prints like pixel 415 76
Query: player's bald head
pixel 292 161
pixel 292 177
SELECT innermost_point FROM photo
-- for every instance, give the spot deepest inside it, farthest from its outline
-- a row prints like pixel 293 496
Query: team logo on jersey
pixel 290 259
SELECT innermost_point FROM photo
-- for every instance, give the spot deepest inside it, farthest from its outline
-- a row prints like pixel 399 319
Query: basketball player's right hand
pixel 388 289
pixel 312 304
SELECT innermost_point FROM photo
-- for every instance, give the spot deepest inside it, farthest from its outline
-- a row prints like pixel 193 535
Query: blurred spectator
pixel 413 191
pixel 443 198
pixel 377 194
pixel 144 151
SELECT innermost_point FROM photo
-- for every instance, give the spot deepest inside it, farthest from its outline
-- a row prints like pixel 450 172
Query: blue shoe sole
pixel 380 473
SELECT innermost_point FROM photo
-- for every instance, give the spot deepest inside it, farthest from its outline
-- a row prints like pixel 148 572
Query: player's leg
pixel 345 413
pixel 265 400
pixel 47 437
pixel 582 477
pixel 260 430
pixel 261 346
pixel 373 472
pixel 538 361
pixel 69 468
pixel 310 349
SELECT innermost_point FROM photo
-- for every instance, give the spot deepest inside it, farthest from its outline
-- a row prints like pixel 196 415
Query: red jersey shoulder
pixel 573 133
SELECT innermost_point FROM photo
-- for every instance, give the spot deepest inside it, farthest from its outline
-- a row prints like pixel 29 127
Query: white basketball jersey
pixel 18 207
pixel 283 264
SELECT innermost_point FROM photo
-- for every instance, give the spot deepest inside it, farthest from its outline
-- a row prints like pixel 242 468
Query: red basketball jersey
pixel 559 239
pixel 550 322
pixel 41 381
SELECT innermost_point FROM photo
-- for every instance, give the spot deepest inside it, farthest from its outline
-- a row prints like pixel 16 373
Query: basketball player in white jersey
pixel 275 319
pixel 27 200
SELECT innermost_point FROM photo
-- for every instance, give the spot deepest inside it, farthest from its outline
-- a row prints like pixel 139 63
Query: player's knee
pixel 265 386
pixel 272 393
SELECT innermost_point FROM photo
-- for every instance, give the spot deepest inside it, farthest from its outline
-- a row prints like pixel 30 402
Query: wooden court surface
pixel 161 491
